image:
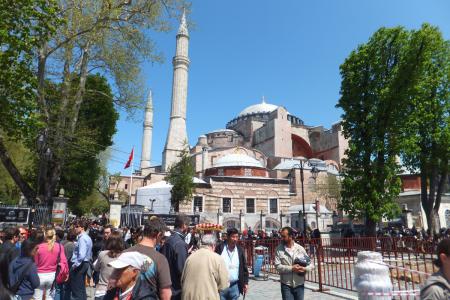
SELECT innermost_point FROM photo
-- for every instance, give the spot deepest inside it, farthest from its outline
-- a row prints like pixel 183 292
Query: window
pixel 248 172
pixel 220 172
pixel 126 186
pixel 250 204
pixel 198 203
pixel 273 205
pixel 226 205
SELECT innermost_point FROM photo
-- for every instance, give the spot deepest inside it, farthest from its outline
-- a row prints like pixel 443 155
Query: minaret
pixel 177 139
pixel 147 135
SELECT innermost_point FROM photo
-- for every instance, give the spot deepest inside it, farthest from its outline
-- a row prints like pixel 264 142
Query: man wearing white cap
pixel 127 268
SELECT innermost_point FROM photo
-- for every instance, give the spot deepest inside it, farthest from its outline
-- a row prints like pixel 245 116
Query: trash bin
pixel 260 262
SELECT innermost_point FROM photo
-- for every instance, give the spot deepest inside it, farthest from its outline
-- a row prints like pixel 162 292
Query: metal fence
pixel 38 215
pixel 410 261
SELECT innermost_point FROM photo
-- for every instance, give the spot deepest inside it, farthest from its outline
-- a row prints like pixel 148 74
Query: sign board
pixel 59 210
pixel 170 219
pixel 14 214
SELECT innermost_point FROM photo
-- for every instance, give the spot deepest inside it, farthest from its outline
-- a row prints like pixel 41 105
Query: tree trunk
pixel 371 227
pixel 9 165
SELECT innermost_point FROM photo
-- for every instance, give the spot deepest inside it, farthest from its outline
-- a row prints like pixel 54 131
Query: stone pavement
pixel 270 290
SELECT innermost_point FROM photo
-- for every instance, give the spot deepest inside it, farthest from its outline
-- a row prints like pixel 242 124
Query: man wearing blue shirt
pixel 234 258
pixel 82 255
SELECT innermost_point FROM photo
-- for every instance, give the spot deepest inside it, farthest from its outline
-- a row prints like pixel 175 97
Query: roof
pixel 309 208
pixel 237 160
pixel 165 184
pixel 222 130
pixel 258 108
pixel 290 164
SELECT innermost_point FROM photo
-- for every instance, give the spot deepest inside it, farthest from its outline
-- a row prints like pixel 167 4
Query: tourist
pixel 107 230
pixel 5 294
pixel 68 244
pixel 47 256
pixel 236 264
pixel 23 273
pixel 438 285
pixel 175 250
pixel 128 284
pixel 82 255
pixel 291 262
pixel 8 249
pixel 113 248
pixel 160 278
pixel 205 273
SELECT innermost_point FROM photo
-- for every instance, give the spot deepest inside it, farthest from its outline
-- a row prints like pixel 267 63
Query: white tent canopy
pixel 156 196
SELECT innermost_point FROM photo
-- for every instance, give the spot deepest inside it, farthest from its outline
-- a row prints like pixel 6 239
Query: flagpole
pixel 131 187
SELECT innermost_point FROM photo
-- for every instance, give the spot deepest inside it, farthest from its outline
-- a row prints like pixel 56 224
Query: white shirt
pixel 231 259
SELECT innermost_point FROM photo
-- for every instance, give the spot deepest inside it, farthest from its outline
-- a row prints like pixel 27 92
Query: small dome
pixel 258 108
pixel 237 160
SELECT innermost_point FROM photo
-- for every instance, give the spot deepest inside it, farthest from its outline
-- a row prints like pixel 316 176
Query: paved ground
pixel 270 290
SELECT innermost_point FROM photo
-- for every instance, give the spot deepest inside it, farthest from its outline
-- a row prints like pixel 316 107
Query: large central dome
pixel 258 108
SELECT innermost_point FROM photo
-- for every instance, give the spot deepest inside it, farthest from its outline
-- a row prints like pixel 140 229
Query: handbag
pixel 62 270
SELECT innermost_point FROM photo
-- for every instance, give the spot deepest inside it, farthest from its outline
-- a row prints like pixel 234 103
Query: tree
pixel 24 26
pixel 329 188
pixel 427 147
pixel 180 176
pixel 109 37
pixel 376 80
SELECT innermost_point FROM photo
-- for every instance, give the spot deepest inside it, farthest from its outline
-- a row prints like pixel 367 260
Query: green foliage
pixel 181 175
pixel 24 160
pixel 375 82
pixel 427 134
pixel 24 25
pixel 95 129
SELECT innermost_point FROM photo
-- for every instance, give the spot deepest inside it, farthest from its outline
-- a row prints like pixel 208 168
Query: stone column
pixel 115 208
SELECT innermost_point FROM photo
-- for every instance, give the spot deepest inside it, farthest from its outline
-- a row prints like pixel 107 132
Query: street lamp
pixel 261 215
pixel 241 214
pixel 219 213
pixel 314 173
pixel 301 167
pixel 281 218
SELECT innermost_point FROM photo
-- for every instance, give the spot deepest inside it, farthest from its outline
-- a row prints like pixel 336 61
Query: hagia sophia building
pixel 247 174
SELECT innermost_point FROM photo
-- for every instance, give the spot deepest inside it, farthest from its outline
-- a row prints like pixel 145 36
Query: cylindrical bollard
pixel 372 279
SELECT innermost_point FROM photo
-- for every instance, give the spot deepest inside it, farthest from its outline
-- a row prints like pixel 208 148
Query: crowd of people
pixel 153 262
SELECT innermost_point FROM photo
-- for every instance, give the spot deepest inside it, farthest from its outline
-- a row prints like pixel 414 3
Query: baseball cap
pixel 133 259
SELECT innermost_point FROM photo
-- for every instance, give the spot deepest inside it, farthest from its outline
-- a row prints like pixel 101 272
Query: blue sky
pixel 288 51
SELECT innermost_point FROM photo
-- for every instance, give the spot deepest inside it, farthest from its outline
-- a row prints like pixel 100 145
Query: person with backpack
pixel 158 277
pixel 23 277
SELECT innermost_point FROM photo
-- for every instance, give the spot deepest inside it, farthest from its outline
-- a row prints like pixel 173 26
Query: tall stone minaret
pixel 177 139
pixel 147 136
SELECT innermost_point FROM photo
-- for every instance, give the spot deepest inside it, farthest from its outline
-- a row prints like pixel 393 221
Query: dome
pixel 237 160
pixel 258 108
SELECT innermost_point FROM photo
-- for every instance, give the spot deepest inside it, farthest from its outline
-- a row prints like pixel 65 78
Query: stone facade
pixel 240 190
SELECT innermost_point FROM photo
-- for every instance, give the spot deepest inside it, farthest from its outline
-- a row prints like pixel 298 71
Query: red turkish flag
pixel 128 164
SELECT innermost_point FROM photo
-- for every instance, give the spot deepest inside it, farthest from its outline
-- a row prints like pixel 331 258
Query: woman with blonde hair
pixel 48 254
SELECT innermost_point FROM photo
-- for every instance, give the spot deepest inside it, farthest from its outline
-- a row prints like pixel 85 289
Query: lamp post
pixel 314 173
pixel 301 167
pixel 261 215
pixel 281 218
pixel 219 213
pixel 241 214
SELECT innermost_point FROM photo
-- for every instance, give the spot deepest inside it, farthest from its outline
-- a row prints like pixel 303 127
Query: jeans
pixel 46 281
pixel 290 293
pixel 77 283
pixel 231 293
pixel 62 291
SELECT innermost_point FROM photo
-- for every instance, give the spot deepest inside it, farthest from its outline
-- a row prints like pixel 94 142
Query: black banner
pixel 14 215
pixel 170 219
